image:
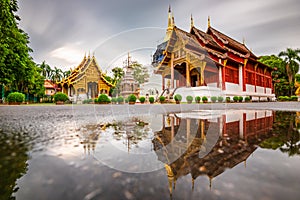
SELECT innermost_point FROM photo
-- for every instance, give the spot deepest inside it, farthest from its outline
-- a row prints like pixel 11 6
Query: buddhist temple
pixel 205 143
pixel 209 64
pixel 86 81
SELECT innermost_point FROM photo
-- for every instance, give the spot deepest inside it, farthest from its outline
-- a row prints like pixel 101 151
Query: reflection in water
pixel 239 134
pixel 286 134
pixel 190 146
pixel 13 162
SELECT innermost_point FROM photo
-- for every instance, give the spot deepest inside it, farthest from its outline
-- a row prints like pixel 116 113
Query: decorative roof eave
pixel 106 81
pixel 237 53
pixel 218 36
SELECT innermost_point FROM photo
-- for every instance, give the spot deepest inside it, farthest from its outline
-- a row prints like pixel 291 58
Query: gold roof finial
pixel 243 40
pixel 208 22
pixel 170 24
pixel 192 21
pixel 84 54
pixel 89 54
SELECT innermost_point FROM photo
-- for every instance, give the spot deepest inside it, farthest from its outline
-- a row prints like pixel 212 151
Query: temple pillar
pixel 188 75
pixel 241 77
pixel 172 70
pixel 241 126
pixel 220 78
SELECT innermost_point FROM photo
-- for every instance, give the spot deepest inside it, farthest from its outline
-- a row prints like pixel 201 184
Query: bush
pixel 235 98
pixel 16 97
pixel 59 96
pixel 197 99
pixel 204 99
pixel 294 98
pixel 103 98
pixel 142 99
pixel 162 99
pixel 114 99
pixel 126 100
pixel 151 99
pixel 132 98
pixel 213 99
pixel 227 99
pixel 95 100
pixel 247 99
pixel 189 98
pixel 120 99
pixel 86 101
pixel 178 97
pixel 240 99
pixel 220 99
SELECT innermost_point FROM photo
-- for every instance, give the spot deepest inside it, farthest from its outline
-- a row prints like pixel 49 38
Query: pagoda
pixel 86 81
pixel 210 64
pixel 128 84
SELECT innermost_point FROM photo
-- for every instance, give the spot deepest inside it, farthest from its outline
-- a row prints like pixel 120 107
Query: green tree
pixel 57 75
pixel 118 74
pixel 66 73
pixel 291 58
pixel 140 73
pixel 16 65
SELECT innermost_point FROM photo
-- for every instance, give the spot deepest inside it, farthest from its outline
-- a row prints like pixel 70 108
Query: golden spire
pixel 192 21
pixel 208 22
pixel 89 54
pixel 84 54
pixel 243 40
pixel 170 24
pixel 193 184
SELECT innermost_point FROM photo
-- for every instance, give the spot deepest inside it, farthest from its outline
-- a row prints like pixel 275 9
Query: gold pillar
pixel 188 75
pixel 172 70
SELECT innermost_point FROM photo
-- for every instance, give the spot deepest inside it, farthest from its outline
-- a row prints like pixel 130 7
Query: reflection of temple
pixel 128 84
pixel 86 81
pixel 210 64
pixel 204 143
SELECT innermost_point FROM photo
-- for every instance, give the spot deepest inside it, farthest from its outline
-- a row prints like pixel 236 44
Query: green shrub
pixel 178 97
pixel 247 99
pixel 59 96
pixel 103 98
pixel 189 98
pixel 294 98
pixel 241 98
pixel 86 101
pixel 162 99
pixel 283 98
pixel 96 100
pixel 220 99
pixel 197 99
pixel 16 97
pixel 126 100
pixel 213 99
pixel 204 99
pixel 142 99
pixel 120 99
pixel 235 98
pixel 227 99
pixel 132 98
pixel 151 99
pixel 114 99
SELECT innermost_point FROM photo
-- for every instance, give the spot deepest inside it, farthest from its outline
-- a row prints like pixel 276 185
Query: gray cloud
pixel 62 30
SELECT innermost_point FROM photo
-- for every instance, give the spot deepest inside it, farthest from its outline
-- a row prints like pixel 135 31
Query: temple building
pixel 209 64
pixel 86 81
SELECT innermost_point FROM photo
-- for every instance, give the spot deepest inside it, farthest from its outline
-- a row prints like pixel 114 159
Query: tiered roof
pixel 78 73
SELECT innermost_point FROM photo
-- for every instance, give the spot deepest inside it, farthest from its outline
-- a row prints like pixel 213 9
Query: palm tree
pixel 57 75
pixel 46 70
pixel 66 73
pixel 292 66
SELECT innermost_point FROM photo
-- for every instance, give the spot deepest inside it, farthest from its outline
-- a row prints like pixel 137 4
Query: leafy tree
pixel 57 75
pixel 17 69
pixel 291 59
pixel 279 75
pixel 66 73
pixel 140 73
pixel 118 74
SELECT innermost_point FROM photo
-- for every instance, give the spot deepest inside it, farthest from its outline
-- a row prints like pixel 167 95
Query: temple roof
pixel 206 38
pixel 231 44
pixel 78 73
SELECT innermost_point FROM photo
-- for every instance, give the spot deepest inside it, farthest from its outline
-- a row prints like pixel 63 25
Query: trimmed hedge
pixel 103 98
pixel 16 97
pixel 177 97
pixel 59 96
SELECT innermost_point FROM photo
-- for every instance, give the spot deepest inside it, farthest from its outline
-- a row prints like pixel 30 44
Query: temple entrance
pixel 92 89
pixel 194 81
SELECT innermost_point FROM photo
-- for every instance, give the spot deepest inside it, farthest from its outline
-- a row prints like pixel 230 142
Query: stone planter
pixel 189 102
pixel 131 102
pixel 60 103
pixel 177 102
pixel 14 103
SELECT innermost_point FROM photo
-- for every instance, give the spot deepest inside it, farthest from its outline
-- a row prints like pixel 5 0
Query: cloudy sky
pixel 62 31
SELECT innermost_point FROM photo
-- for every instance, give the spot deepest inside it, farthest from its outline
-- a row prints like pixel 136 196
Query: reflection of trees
pixel 13 162
pixel 285 134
